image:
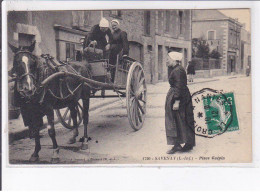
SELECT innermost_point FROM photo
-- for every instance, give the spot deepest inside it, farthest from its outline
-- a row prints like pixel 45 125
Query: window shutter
pixel 75 18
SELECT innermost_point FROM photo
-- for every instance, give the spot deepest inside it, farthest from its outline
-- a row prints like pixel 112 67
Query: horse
pixel 37 101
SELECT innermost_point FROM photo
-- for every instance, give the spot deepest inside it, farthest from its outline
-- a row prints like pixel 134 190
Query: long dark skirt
pixel 179 124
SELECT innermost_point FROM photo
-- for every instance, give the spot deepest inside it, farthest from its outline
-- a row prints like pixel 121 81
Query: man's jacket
pixel 99 36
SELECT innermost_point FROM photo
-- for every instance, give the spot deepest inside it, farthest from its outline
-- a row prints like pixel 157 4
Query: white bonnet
pixel 176 56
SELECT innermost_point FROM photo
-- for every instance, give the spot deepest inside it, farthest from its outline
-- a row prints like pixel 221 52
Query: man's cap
pixel 176 56
pixel 104 23
pixel 116 21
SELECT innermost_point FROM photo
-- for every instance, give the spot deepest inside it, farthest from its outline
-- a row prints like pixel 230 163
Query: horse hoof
pixel 72 140
pixel 55 160
pixel 34 159
pixel 84 146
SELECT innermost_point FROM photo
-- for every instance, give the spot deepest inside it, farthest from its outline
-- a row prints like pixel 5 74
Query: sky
pixel 243 16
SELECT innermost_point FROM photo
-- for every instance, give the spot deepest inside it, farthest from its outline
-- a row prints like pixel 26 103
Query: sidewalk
pixel 17 130
pixel 154 88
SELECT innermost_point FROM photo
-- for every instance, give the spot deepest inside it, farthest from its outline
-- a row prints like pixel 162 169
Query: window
pixel 147 22
pixel 67 51
pixel 25 39
pixel 234 38
pixel 150 48
pixel 70 51
pixel 237 38
pixel 160 21
pixel 81 19
pixel 87 18
pixel 167 25
pixel 181 21
pixel 231 37
pixel 116 13
pixel 78 19
pixel 68 43
pixel 211 35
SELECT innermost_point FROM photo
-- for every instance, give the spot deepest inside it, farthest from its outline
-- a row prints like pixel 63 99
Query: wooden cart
pixel 129 82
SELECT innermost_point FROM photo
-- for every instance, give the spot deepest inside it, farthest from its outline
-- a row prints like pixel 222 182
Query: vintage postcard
pixel 143 86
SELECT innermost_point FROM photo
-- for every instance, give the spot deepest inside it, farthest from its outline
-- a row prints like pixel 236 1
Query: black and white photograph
pixel 143 86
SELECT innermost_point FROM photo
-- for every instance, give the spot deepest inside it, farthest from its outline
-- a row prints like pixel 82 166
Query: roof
pixel 211 15
pixel 208 14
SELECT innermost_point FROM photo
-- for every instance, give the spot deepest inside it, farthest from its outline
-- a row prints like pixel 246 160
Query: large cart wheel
pixel 65 119
pixel 136 96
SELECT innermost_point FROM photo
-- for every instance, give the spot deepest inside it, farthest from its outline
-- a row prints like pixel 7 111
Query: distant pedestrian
pixel 247 70
pixel 179 118
pixel 190 71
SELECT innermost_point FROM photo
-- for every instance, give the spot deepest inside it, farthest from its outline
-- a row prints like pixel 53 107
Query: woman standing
pixel 119 43
pixel 179 118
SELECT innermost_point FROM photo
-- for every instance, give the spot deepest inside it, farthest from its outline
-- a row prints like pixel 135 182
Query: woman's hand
pixel 176 105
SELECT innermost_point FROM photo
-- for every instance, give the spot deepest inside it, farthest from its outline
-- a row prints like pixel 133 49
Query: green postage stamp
pixel 214 112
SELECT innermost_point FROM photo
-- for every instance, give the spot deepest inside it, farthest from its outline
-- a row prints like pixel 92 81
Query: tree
pixel 194 46
pixel 203 50
pixel 200 48
pixel 215 54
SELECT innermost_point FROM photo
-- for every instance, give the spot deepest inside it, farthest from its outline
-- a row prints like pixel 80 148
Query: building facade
pixel 221 33
pixel 245 50
pixel 151 34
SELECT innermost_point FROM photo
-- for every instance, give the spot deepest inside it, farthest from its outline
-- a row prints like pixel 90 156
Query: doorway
pixel 231 63
pixel 160 62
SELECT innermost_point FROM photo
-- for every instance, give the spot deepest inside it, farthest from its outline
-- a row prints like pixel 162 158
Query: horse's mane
pixel 43 70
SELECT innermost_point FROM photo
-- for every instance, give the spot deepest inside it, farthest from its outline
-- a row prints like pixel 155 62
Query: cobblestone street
pixel 114 141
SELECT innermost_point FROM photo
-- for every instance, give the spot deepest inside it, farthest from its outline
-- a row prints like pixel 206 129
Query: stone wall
pixel 144 46
pixel 39 24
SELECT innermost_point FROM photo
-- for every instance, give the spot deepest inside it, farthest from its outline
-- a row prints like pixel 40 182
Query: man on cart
pixel 97 37
pixel 116 44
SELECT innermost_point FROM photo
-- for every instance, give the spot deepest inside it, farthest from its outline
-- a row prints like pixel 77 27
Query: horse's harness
pixel 55 67
pixel 42 89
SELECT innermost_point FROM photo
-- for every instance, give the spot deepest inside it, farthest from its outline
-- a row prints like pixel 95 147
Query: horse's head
pixel 25 69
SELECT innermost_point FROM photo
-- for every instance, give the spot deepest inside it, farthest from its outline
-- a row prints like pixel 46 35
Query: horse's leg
pixel 35 156
pixel 51 132
pixel 85 122
pixel 75 133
